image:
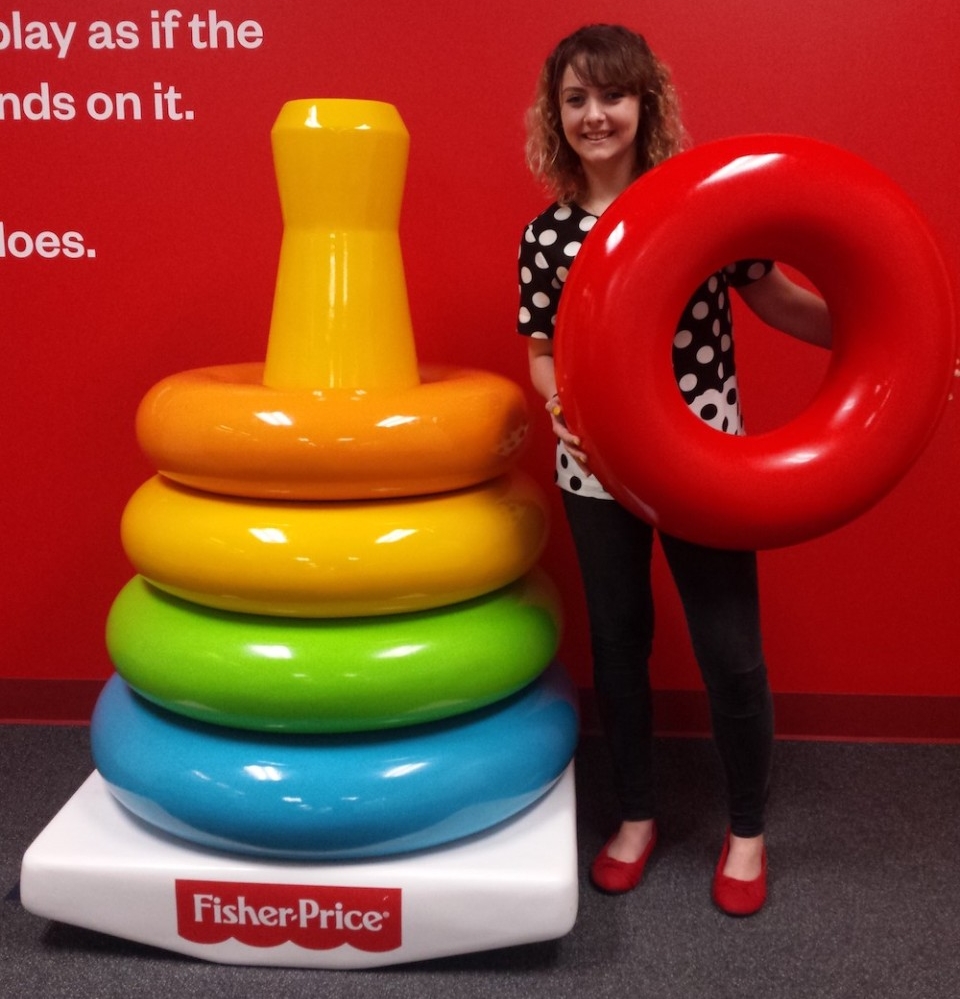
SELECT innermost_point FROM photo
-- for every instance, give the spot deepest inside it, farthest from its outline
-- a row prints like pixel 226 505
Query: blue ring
pixel 334 797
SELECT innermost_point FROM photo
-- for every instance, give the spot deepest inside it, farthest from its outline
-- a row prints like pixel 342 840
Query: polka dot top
pixel 702 345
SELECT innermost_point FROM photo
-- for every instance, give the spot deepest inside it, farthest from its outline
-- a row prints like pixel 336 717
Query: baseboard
pixel 842 717
pixel 48 702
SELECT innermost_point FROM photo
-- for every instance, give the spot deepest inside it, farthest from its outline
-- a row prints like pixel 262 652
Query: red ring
pixel 864 245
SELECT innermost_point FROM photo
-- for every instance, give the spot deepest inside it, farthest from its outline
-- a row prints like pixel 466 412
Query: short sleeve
pixel 539 288
pixel 547 249
pixel 745 272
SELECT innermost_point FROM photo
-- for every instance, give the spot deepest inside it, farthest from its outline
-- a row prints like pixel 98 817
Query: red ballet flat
pixel 736 897
pixel 618 876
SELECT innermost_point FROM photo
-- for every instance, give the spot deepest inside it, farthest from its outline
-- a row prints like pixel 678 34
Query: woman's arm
pixel 544 380
pixel 788 307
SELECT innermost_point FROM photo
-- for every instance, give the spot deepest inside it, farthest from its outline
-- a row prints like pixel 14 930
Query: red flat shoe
pixel 618 876
pixel 736 897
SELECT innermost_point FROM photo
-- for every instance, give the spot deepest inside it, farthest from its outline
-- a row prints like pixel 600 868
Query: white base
pixel 98 867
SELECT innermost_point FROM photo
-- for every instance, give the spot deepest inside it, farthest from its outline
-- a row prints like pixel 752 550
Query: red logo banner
pixel 315 917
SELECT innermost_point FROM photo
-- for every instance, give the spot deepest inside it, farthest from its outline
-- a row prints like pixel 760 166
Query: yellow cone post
pixel 340 313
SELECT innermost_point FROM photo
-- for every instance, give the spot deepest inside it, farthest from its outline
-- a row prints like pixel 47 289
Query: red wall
pixel 183 218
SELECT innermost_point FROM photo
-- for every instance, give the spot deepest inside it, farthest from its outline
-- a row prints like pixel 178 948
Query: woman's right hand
pixel 570 440
pixel 543 379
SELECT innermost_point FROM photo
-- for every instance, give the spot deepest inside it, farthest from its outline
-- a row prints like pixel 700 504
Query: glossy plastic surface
pixel 222 430
pixel 340 313
pixel 333 675
pixel 340 651
pixel 334 797
pixel 334 559
pixel 864 245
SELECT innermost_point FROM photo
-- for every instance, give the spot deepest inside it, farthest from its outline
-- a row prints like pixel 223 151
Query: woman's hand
pixel 570 440
pixel 543 378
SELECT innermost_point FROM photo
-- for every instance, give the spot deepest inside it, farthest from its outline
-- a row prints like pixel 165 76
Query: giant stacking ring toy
pixel 223 430
pixel 334 675
pixel 334 797
pixel 864 245
pixel 339 559
pixel 337 645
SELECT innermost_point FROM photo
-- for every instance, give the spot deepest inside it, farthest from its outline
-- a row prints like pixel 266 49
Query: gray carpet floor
pixel 864 844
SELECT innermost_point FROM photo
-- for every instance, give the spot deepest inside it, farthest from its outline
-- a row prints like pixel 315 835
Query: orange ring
pixel 221 430
pixel 864 245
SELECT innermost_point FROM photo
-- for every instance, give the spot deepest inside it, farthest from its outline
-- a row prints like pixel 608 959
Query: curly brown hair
pixel 603 55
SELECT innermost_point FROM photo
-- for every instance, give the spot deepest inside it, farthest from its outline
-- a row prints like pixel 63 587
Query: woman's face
pixel 600 123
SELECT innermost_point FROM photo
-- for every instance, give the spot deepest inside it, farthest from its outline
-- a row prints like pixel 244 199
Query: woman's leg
pixel 613 550
pixel 719 591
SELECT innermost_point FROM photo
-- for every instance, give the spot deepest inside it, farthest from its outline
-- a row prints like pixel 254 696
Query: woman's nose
pixel 595 111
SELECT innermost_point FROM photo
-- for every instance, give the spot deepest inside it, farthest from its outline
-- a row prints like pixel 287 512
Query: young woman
pixel 605 112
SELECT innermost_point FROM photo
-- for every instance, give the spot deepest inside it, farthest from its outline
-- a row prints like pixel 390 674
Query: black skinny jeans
pixel 719 593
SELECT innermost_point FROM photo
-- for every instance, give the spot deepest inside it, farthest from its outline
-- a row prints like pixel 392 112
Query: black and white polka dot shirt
pixel 702 345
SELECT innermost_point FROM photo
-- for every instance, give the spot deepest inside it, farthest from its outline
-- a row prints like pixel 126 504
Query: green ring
pixel 332 674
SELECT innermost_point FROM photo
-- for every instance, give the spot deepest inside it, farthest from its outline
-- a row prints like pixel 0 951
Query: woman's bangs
pixel 605 69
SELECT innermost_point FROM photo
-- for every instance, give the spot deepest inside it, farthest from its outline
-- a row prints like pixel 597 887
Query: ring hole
pixel 760 383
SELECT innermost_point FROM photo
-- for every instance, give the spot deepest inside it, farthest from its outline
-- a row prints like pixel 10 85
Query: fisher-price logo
pixel 314 917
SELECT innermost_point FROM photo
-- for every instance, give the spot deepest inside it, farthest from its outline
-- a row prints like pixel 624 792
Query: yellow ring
pixel 220 429
pixel 334 559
